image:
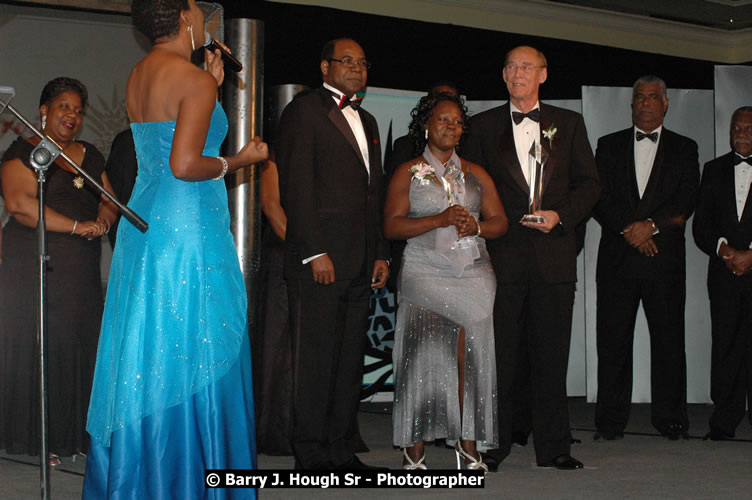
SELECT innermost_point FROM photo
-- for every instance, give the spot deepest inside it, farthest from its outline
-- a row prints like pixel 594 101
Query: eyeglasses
pixel 524 67
pixel 351 63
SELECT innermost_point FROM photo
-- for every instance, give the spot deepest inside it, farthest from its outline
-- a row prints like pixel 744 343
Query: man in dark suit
pixel 723 229
pixel 535 262
pixel 331 183
pixel 121 168
pixel 650 178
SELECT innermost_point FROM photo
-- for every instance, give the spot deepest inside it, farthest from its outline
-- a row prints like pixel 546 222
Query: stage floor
pixel 642 465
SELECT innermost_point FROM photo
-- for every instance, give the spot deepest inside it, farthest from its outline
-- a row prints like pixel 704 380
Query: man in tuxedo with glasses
pixel 331 185
pixel 535 262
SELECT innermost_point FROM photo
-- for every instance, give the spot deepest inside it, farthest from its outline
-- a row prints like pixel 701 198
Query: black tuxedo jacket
pixel 570 187
pixel 671 193
pixel 121 168
pixel 332 205
pixel 716 214
pixel 402 151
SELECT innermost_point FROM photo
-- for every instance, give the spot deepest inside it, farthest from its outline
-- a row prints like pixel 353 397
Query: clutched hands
pixel 90 229
pixel 460 218
pixel 738 262
pixel 638 233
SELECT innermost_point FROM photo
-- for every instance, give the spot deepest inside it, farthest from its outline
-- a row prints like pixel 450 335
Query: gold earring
pixel 426 134
pixel 44 122
pixel 193 42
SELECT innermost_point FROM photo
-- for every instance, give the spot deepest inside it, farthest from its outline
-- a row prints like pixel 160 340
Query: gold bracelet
pixel 75 225
pixel 225 167
pixel 477 223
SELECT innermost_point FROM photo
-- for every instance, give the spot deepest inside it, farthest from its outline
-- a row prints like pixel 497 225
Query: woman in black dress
pixel 76 216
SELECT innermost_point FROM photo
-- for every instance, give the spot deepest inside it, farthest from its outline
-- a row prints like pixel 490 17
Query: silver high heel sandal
pixel 471 463
pixel 410 465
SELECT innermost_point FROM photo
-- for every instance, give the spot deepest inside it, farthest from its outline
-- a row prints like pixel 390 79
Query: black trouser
pixel 538 314
pixel 328 324
pixel 731 364
pixel 663 303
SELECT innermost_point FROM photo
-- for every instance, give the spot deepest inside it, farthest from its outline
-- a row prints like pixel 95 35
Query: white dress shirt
pixel 525 133
pixel 353 119
pixel 644 157
pixel 742 179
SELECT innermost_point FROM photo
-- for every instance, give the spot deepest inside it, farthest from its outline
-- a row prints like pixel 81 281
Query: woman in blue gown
pixel 172 393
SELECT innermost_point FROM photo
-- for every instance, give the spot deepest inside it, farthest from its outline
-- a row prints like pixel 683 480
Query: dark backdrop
pixel 411 55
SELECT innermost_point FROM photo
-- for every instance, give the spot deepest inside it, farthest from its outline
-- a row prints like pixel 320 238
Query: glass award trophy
pixel 536 159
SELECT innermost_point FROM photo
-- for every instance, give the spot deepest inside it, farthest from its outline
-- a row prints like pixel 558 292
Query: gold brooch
pixel 78 182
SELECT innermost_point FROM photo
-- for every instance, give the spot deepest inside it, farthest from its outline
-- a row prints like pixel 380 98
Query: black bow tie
pixel 533 115
pixel 739 159
pixel 343 101
pixel 653 136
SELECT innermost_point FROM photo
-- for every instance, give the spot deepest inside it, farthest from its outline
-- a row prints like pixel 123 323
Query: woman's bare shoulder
pixel 159 83
pixel 415 161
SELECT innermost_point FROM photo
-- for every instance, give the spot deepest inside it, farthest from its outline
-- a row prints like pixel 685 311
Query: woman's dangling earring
pixel 193 42
pixel 44 122
pixel 426 134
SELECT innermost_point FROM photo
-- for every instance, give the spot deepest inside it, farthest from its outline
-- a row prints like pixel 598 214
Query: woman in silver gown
pixel 444 365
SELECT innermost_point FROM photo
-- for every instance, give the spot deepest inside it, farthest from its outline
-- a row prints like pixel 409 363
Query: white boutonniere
pixel 423 172
pixel 549 134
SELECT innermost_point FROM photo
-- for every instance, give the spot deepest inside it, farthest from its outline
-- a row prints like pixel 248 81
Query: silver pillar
pixel 280 97
pixel 242 99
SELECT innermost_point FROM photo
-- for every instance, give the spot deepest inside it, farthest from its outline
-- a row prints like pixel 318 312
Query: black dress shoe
pixel 491 461
pixel 519 438
pixel 675 431
pixel 717 435
pixel 563 462
pixel 355 464
pixel 608 435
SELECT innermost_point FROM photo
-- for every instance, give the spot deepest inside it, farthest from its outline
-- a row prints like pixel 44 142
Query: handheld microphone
pixel 231 61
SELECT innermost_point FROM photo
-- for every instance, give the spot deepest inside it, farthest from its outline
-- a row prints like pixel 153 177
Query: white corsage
pixel 549 134
pixel 423 172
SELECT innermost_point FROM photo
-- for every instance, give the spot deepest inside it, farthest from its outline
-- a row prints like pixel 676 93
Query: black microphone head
pixel 230 61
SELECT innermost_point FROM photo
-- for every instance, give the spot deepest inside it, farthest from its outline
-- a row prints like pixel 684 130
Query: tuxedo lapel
pixel 374 151
pixel 630 172
pixel 547 122
pixel 339 121
pixel 508 150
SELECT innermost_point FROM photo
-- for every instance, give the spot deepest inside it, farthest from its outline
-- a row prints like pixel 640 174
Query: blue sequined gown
pixel 172 393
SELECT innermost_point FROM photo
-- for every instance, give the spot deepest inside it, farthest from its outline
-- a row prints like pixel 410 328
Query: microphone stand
pixel 43 155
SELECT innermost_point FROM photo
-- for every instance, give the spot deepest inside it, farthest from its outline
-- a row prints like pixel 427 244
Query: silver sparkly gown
pixel 434 305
